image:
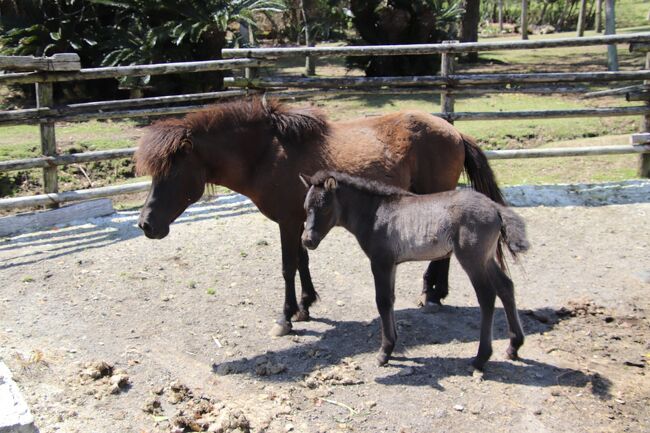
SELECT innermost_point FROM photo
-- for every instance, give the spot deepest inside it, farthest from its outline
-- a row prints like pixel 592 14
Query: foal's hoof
pixel 511 353
pixel 280 329
pixel 382 359
pixel 301 316
pixel 478 364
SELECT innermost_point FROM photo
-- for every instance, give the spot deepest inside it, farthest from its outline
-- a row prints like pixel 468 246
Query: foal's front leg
pixel 289 238
pixel 308 295
pixel 384 274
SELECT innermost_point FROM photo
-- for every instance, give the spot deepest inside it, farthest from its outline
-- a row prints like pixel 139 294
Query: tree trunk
pixel 469 25
pixel 524 19
pixel 610 29
pixel 599 16
pixel 310 66
pixel 581 18
pixel 500 15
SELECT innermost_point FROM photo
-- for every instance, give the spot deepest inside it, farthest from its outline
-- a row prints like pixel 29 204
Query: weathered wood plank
pixel 57 62
pixel 64 215
pixel 438 81
pixel 75 158
pixel 640 138
pixel 614 92
pixel 415 49
pixel 130 71
pixel 69 196
pixel 549 114
pixel 566 151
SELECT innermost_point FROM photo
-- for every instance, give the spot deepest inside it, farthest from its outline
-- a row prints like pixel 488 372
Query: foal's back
pixel 432 226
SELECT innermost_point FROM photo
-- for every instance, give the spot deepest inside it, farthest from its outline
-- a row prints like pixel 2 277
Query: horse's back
pixel 411 149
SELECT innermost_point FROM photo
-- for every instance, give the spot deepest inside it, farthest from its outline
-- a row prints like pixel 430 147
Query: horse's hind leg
pixel 308 295
pixel 384 275
pixel 506 292
pixel 435 283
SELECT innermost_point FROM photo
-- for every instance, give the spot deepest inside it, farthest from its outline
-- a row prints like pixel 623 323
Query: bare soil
pixel 108 331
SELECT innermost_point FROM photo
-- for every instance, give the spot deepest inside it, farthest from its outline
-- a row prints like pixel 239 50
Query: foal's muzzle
pixel 309 241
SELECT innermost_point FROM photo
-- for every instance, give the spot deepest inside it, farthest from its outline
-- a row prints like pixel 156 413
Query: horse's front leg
pixel 384 275
pixel 290 240
pixel 309 295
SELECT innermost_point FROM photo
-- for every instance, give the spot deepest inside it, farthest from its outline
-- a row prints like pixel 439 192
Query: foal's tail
pixel 482 179
pixel 513 231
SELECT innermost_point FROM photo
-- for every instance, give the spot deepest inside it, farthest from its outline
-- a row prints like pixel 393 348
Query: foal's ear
pixel 330 184
pixel 304 179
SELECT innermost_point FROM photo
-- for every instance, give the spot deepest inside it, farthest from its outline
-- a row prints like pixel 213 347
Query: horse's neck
pixel 236 164
pixel 357 211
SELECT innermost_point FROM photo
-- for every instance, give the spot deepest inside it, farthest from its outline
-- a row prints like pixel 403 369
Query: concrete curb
pixel 15 416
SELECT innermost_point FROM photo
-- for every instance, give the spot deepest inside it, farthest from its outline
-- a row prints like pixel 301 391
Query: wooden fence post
pixel 446 69
pixel 45 98
pixel 644 158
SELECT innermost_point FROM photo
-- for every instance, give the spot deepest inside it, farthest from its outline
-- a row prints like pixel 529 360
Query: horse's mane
pixel 366 185
pixel 165 138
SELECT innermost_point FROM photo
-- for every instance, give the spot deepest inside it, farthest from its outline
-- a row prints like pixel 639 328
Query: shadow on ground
pixel 450 325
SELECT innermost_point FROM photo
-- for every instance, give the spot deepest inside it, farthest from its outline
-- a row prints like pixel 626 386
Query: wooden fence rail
pixel 86 194
pixel 448 84
pixel 423 49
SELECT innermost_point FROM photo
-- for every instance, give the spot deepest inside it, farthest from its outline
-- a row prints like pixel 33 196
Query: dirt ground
pixel 108 331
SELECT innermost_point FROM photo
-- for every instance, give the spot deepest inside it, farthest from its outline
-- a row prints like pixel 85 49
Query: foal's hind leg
pixel 478 272
pixel 309 295
pixel 506 292
pixel 435 283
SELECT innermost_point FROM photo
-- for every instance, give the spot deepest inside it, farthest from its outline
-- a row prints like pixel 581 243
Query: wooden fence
pixel 60 68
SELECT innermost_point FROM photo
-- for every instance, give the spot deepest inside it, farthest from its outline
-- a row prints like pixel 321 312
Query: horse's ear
pixel 186 145
pixel 305 180
pixel 330 184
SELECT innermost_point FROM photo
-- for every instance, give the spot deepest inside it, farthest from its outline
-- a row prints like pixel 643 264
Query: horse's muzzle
pixel 150 231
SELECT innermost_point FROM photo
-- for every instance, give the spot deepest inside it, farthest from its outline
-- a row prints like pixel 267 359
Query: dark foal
pixel 394 226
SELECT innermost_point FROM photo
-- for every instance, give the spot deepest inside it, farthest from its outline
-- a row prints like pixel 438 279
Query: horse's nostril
pixel 144 226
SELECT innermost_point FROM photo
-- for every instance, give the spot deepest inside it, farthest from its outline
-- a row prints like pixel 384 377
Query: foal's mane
pixel 165 138
pixel 366 185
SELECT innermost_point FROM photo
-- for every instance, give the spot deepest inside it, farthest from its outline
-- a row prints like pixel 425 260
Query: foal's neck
pixel 357 210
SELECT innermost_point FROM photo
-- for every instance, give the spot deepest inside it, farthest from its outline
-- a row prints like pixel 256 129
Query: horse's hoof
pixel 431 307
pixel 511 353
pixel 301 316
pixel 382 359
pixel 280 329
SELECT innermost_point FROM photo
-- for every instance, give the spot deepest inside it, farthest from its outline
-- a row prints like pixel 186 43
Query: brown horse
pixel 258 149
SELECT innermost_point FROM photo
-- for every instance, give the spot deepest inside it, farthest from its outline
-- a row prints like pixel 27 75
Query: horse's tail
pixel 478 170
pixel 482 179
pixel 513 231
